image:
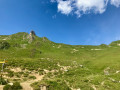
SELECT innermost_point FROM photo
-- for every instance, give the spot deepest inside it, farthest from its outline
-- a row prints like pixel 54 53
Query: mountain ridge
pixel 71 67
pixel 26 34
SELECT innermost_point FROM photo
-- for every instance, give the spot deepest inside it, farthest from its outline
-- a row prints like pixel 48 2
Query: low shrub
pixel 26 75
pixel 10 74
pixel 7 87
pixel 16 86
pixel 2 81
pixel 32 77
pixel 4 45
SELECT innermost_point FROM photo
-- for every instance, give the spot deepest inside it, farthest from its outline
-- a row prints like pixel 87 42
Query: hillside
pixel 38 63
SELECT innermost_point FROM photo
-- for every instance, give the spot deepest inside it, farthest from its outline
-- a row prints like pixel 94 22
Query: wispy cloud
pixel 80 7
pixel 115 3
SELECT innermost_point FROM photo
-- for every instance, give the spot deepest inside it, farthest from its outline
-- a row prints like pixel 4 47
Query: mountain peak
pixel 32 32
pixel 31 36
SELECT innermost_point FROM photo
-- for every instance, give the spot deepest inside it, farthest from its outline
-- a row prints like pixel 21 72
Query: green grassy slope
pixel 82 67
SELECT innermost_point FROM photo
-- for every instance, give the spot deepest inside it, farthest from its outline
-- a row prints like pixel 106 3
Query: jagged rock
pixel 44 39
pixel 33 33
pixel 106 71
pixel 31 36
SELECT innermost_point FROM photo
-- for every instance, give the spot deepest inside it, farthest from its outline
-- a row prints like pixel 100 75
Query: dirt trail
pixel 93 86
pixel 1 87
pixel 26 85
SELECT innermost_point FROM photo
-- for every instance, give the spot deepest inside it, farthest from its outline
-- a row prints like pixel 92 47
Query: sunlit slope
pixel 86 67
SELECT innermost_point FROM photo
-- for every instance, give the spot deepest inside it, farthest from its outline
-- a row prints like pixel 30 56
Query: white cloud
pixel 64 6
pixel 80 7
pixel 87 5
pixel 115 3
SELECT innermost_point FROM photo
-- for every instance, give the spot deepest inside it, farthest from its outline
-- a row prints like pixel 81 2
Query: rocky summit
pixel 31 36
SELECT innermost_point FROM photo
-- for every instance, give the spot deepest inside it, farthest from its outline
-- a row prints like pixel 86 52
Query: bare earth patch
pixel 1 87
pixel 26 85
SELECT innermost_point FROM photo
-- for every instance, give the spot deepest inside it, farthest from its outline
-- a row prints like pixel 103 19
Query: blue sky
pixel 92 25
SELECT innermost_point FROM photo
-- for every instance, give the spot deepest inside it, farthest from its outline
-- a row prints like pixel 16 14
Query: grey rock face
pixel 31 36
pixel 32 32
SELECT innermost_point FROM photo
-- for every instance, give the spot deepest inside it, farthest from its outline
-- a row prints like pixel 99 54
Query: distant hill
pixel 40 63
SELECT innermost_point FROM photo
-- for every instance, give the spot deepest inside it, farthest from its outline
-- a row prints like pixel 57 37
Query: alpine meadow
pixel 40 64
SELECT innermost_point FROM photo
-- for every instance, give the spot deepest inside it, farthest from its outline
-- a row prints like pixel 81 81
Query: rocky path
pixel 26 85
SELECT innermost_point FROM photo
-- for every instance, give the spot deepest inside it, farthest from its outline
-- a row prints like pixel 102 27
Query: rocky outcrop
pixel 32 32
pixel 31 36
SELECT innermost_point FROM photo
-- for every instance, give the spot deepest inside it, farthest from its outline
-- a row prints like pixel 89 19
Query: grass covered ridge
pixel 62 66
